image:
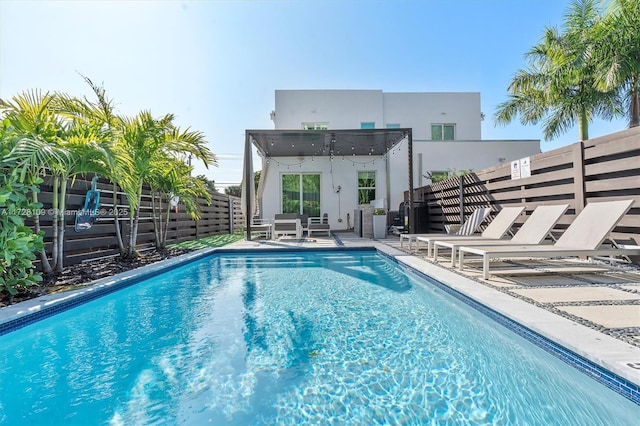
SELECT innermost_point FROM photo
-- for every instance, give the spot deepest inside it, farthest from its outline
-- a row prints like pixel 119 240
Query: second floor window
pixel 315 126
pixel 443 132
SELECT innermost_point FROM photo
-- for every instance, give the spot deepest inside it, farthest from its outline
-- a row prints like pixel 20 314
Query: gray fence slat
pixel 601 169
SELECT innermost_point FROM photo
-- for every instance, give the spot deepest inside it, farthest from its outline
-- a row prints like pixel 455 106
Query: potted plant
pixel 379 223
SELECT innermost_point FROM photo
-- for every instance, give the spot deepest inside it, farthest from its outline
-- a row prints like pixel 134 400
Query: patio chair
pixel 468 228
pixel 261 227
pixel 534 231
pixel 304 221
pixel 319 224
pixel 287 224
pixel 584 237
pixel 499 226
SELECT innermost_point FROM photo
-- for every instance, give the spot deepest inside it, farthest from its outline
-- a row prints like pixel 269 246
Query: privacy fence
pixel 222 216
pixel 602 169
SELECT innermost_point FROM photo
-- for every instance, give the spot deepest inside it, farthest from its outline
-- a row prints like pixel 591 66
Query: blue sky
pixel 216 64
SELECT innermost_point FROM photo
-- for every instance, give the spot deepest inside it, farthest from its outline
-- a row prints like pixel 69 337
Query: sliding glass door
pixel 301 193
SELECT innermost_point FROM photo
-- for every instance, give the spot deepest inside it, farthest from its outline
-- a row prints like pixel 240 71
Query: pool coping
pixel 594 350
pixel 21 314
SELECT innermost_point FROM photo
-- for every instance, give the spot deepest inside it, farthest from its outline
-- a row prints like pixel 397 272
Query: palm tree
pixel 88 152
pixel 65 137
pixel 618 54
pixel 47 141
pixel 171 178
pixel 100 114
pixel 32 149
pixel 559 88
pixel 149 141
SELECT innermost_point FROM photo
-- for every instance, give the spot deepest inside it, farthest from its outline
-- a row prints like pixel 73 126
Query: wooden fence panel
pixel 219 217
pixel 602 169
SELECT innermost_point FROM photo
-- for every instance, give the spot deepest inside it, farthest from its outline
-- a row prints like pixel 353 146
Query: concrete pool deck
pixel 595 313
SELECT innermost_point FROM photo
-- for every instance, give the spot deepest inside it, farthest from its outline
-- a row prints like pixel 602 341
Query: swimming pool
pixel 285 338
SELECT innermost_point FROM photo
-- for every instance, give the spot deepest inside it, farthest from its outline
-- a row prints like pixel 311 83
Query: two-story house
pixel 336 172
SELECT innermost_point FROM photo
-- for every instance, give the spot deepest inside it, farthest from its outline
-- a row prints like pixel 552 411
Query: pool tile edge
pixel 24 313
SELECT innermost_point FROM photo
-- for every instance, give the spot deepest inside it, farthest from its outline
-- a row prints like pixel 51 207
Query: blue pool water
pixel 316 337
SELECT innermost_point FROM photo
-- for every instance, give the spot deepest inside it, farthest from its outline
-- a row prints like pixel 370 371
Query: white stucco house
pixel 331 150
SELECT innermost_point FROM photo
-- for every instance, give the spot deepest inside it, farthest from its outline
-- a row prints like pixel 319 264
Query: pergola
pixel 319 143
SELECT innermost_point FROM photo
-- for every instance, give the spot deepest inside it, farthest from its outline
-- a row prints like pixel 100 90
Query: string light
pixel 333 151
pixel 351 159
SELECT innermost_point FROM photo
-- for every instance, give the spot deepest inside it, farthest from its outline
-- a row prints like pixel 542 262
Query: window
pixel 366 187
pixel 301 194
pixel 367 125
pixel 315 126
pixel 393 126
pixel 443 132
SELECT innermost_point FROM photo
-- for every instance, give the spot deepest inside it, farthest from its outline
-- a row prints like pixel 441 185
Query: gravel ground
pixel 83 273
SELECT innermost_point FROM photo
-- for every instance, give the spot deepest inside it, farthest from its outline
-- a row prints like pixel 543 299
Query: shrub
pixel 18 243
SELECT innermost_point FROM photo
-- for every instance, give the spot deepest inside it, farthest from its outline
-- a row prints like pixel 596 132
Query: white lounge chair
pixel 468 228
pixel 583 237
pixel 499 226
pixel 533 231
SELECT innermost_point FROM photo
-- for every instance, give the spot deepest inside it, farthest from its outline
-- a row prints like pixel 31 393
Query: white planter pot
pixel 379 226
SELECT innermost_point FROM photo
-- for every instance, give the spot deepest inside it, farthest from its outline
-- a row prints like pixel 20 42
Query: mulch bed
pixel 84 273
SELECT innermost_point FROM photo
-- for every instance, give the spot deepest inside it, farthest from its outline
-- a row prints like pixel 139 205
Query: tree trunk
pixel 583 126
pixel 116 218
pixel 166 226
pixel 134 219
pixel 157 227
pixel 62 224
pixel 131 238
pixel 634 108
pixel 46 266
pixel 56 212
pixel 134 229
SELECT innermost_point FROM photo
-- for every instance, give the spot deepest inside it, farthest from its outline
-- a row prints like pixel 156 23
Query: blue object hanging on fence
pixel 87 216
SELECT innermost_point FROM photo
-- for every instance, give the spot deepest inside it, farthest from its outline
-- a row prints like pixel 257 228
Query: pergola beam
pixel 248 180
pixel 303 143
